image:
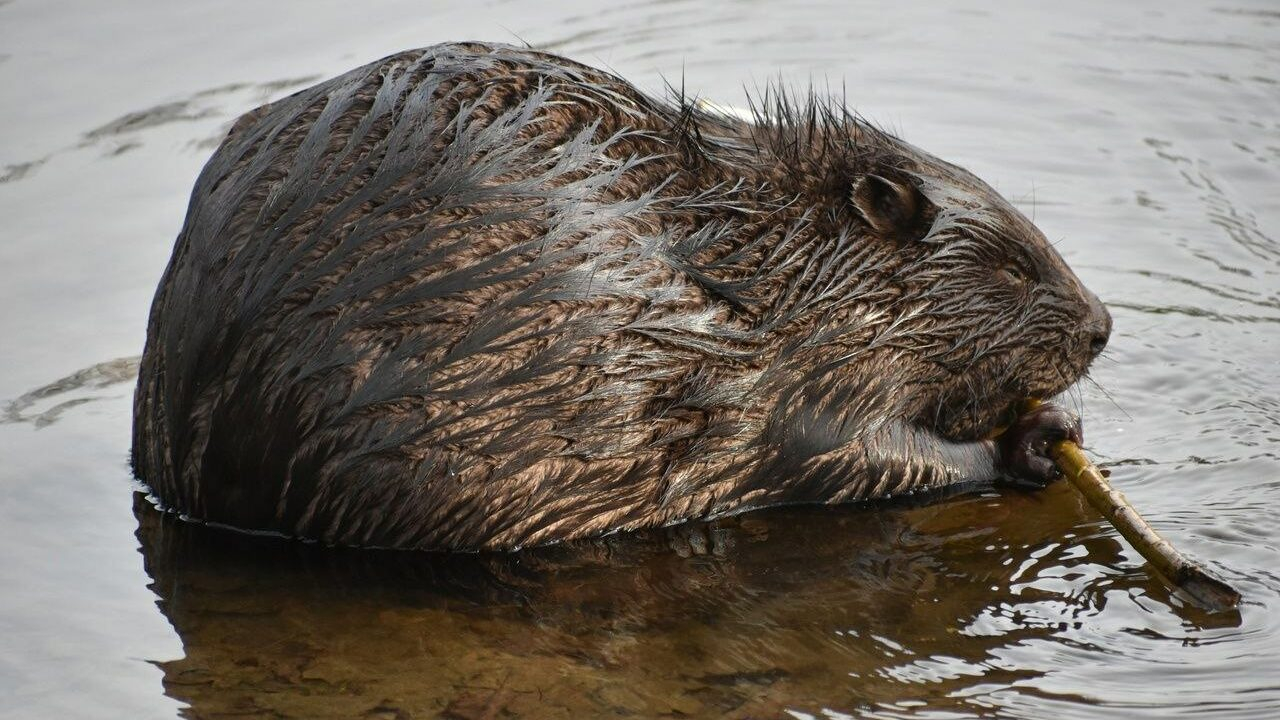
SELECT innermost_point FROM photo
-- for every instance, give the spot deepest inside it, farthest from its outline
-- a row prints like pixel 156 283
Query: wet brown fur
pixel 476 296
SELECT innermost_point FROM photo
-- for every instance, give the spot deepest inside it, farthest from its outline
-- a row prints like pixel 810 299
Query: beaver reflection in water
pixel 480 297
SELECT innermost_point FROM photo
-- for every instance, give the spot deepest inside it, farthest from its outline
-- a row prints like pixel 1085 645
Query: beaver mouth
pixel 966 418
pixel 972 424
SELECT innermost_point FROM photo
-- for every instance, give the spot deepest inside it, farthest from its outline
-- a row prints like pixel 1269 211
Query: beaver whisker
pixel 1106 394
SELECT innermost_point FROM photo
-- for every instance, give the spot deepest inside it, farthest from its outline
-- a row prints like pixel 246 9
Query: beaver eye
pixel 1016 274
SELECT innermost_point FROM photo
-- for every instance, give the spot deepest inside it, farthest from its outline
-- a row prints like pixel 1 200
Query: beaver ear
pixel 890 208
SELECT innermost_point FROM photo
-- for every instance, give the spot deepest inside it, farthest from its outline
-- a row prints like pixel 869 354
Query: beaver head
pixel 994 313
pixel 965 306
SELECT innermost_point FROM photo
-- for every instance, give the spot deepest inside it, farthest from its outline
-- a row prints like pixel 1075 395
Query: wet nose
pixel 1099 342
pixel 1099 326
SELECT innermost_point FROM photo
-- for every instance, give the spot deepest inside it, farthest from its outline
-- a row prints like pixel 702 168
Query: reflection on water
pixel 745 617
pixel 1144 138
pixel 45 404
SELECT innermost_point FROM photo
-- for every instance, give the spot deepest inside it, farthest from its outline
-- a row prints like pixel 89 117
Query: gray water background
pixel 1144 138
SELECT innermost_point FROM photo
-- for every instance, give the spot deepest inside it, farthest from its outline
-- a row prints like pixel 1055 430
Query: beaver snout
pixel 1097 325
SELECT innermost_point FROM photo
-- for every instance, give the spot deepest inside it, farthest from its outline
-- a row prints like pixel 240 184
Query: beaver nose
pixel 1099 326
pixel 1099 342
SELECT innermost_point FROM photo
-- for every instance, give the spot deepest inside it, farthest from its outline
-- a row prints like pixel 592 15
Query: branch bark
pixel 1172 565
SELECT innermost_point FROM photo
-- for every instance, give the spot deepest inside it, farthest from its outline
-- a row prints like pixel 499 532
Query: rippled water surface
pixel 1143 136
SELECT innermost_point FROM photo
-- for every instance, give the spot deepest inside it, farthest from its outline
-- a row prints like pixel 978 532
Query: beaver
pixel 480 297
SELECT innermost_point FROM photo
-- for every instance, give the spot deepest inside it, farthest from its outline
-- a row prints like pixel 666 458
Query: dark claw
pixel 695 539
pixel 1024 447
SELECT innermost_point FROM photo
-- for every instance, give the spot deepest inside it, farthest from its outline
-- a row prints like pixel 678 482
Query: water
pixel 1145 139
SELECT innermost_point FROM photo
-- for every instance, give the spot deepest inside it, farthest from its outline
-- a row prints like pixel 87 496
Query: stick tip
pixel 1209 592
